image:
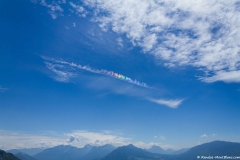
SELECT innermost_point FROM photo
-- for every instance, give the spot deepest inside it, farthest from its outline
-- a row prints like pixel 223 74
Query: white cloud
pixel 120 42
pixel 204 34
pixel 149 145
pixel 54 9
pixel 11 140
pixel 214 135
pixel 231 76
pixel 78 138
pixel 65 71
pixel 204 136
pixel 170 103
pixel 131 91
pixel 74 24
pixel 3 89
pixel 62 73
pixel 160 137
pixel 80 11
pixel 15 140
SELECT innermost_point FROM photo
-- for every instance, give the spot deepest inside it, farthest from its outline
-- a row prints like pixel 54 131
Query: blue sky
pixel 59 59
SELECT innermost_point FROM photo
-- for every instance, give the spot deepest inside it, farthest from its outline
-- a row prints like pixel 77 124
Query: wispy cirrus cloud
pixel 54 8
pixel 79 10
pixel 2 89
pixel 64 72
pixel 204 34
pixel 170 103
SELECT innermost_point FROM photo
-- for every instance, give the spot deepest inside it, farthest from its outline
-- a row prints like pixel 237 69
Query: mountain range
pixel 23 156
pixel 216 148
pixel 159 150
pixel 62 152
pixel 29 151
pixel 130 152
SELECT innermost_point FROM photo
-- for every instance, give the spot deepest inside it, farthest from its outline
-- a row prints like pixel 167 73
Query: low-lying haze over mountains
pixel 109 152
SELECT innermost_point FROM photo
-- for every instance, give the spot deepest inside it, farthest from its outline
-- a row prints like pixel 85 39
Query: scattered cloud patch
pixel 54 8
pixel 62 73
pixel 62 1
pixel 160 137
pixel 79 10
pixel 204 136
pixel 80 138
pixel 74 24
pixel 3 89
pixel 231 76
pixel 170 103
pixel 214 135
pixel 120 42
pixel 203 34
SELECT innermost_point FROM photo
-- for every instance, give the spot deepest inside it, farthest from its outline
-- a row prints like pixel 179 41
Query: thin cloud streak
pixel 133 91
pixel 170 103
pixel 64 76
pixel 65 71
pixel 3 89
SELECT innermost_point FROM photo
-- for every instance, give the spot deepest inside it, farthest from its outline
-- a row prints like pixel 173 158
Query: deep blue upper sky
pixel 189 61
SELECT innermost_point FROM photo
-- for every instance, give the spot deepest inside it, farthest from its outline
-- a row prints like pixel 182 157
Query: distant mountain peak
pixel 131 145
pixel 7 156
pixel 156 149
pixel 87 146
